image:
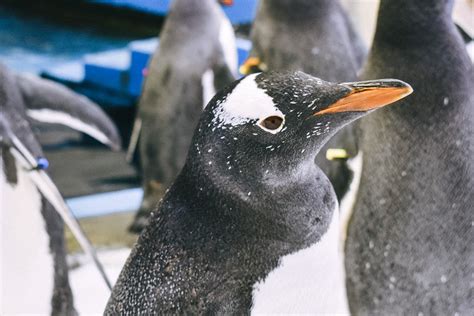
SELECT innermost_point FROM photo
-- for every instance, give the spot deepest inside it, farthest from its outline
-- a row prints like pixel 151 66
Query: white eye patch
pixel 246 103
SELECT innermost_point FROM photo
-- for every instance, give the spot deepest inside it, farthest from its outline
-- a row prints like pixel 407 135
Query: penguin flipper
pixel 50 192
pixel 53 103
pixel 8 161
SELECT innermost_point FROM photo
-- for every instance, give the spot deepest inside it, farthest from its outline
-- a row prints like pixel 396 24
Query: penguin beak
pixel 369 95
pixel 226 3
pixel 252 65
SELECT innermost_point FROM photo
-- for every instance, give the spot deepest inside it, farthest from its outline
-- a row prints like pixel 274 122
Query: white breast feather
pixel 347 202
pixel 309 281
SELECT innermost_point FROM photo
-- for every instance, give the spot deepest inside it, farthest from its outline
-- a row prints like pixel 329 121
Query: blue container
pixel 159 7
pixel 72 72
pixel 241 12
pixel 108 69
pixel 243 49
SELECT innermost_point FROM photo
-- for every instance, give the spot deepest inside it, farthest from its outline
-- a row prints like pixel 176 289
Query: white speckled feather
pixel 246 102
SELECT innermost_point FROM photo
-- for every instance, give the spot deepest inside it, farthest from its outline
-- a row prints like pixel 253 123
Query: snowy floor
pixel 90 292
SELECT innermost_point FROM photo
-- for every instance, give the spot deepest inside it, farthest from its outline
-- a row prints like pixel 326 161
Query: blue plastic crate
pixel 72 72
pixel 243 49
pixel 241 12
pixel 108 69
pixel 159 7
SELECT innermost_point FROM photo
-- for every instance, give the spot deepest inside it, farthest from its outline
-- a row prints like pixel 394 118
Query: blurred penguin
pixel 410 242
pixel 33 256
pixel 463 16
pixel 314 36
pixel 197 56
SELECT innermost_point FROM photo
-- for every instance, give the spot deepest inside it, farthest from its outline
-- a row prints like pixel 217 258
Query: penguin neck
pixel 415 22
pixel 294 205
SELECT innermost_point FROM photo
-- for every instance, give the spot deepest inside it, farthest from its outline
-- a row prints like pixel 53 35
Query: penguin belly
pixel 27 264
pixel 228 45
pixel 348 201
pixel 470 50
pixel 208 88
pixel 310 281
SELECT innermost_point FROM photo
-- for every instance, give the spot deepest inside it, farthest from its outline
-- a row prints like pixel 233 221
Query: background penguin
pixel 196 56
pixel 34 271
pixel 410 242
pixel 250 222
pixel 463 16
pixel 314 36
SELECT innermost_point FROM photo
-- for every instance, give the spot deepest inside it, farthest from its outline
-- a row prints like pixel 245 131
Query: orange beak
pixel 252 65
pixel 226 3
pixel 369 95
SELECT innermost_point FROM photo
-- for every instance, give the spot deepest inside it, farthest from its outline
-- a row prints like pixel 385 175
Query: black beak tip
pixel 382 83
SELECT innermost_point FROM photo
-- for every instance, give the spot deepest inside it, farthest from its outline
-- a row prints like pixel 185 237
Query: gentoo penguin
pixel 196 56
pixel 410 243
pixel 463 16
pixel 250 222
pixel 314 36
pixel 34 274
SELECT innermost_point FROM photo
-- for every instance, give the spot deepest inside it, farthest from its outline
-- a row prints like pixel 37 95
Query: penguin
pixel 410 240
pixel 318 38
pixel 469 40
pixel 251 223
pixel 33 255
pixel 197 56
pixel 463 18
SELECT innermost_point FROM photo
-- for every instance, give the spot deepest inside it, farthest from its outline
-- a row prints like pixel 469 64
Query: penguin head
pixel 252 65
pixel 278 120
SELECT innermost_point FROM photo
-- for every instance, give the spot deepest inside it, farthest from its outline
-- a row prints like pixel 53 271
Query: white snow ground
pixel 90 292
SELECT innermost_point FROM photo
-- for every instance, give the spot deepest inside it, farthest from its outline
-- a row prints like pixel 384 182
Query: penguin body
pixel 409 247
pixel 19 202
pixel 307 36
pixel 197 56
pixel 315 37
pixel 309 273
pixel 34 270
pixel 250 207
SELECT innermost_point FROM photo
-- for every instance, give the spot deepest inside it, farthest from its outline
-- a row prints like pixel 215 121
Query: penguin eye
pixel 272 124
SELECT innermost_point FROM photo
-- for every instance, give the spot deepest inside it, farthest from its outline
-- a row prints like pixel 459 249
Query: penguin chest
pixel 27 266
pixel 208 88
pixel 310 281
